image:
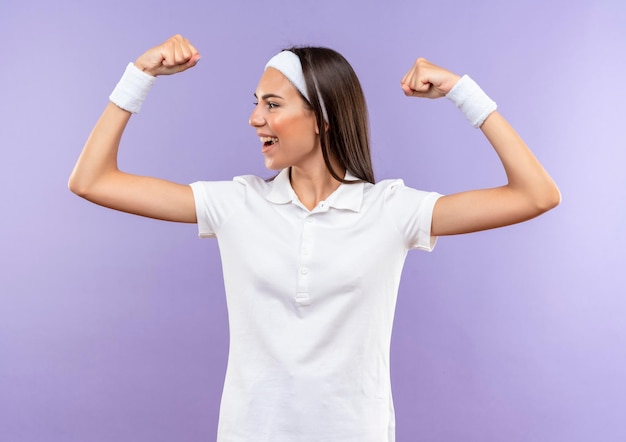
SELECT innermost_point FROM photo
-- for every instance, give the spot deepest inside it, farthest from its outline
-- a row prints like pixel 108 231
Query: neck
pixel 313 186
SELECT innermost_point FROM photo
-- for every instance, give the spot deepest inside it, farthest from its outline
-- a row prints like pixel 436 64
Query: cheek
pixel 289 128
pixel 281 125
pixel 302 125
pixel 295 128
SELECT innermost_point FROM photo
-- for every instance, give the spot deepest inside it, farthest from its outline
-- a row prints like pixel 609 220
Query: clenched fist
pixel 174 55
pixel 427 80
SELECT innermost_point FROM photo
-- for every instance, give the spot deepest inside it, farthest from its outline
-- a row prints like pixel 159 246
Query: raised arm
pixel 96 176
pixel 529 192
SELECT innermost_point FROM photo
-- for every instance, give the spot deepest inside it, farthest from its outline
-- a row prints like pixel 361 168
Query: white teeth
pixel 268 140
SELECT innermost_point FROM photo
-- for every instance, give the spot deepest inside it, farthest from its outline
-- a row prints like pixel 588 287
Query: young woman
pixel 310 333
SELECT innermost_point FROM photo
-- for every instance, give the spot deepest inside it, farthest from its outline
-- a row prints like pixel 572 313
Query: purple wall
pixel 113 328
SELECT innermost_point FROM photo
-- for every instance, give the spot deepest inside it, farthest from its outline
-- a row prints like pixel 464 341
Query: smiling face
pixel 285 124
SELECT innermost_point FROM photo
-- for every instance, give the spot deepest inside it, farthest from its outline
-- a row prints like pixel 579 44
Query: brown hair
pixel 347 136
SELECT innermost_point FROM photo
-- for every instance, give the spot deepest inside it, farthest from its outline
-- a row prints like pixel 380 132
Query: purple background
pixel 113 327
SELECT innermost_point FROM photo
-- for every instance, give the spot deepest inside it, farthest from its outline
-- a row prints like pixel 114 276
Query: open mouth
pixel 268 141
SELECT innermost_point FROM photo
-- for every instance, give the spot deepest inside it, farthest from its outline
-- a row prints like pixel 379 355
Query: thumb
pixel 407 90
pixel 416 89
pixel 176 67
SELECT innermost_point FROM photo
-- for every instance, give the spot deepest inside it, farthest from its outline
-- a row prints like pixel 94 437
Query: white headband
pixel 288 63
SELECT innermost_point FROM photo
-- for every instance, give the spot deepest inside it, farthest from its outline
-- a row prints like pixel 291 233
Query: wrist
pixel 132 89
pixel 144 67
pixel 471 100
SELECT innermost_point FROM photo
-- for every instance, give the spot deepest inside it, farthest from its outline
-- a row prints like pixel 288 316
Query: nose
pixel 256 118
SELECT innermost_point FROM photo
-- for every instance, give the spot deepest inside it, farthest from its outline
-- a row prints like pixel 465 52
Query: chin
pixel 273 165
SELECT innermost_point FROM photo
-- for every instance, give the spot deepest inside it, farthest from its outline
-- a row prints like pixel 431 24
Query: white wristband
pixel 132 89
pixel 472 100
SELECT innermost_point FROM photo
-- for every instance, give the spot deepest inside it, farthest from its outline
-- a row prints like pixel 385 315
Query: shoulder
pixel 217 201
pixel 395 194
pixel 237 184
pixel 410 210
pixel 254 182
pixel 391 188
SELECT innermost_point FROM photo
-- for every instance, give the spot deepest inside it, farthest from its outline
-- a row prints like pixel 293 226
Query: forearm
pixel 526 177
pixel 98 160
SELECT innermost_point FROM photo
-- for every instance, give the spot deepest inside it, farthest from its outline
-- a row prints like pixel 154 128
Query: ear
pixel 317 127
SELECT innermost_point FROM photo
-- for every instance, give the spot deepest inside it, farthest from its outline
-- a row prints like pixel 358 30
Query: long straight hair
pixel 345 136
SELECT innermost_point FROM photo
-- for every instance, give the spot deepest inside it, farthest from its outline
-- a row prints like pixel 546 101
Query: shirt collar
pixel 347 196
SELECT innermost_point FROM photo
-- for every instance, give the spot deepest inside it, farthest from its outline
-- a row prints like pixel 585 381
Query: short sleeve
pixel 412 212
pixel 215 202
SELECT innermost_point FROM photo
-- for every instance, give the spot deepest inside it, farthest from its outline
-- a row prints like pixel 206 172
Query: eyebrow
pixel 266 96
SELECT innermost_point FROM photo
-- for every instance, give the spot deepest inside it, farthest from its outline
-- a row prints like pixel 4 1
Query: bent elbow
pixel 550 198
pixel 72 186
pixel 75 186
pixel 78 186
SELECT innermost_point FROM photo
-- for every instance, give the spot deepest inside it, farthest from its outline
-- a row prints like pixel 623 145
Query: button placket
pixel 306 246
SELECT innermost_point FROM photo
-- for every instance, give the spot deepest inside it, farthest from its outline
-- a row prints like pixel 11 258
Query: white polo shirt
pixel 311 298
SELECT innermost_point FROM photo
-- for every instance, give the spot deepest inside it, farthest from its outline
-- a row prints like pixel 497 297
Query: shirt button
pixel 303 299
pixel 304 271
pixel 310 220
pixel 305 251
